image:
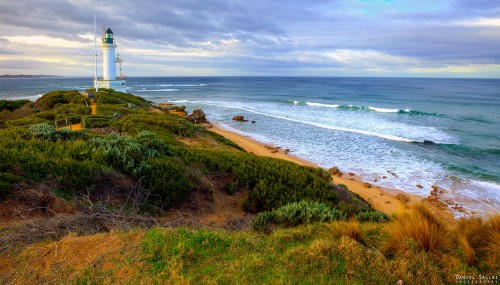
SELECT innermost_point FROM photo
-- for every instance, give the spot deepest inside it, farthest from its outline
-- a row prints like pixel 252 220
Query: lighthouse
pixel 109 79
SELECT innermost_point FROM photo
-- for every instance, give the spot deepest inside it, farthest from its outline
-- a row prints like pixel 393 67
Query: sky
pixel 387 38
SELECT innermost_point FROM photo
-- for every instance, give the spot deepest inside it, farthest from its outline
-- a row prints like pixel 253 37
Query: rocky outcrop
pixel 335 171
pixel 197 117
pixel 239 118
pixel 166 106
pixel 179 111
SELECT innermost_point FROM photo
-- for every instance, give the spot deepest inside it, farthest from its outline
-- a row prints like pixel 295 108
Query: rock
pixel 274 151
pixel 334 171
pixel 197 117
pixel 350 173
pixel 420 186
pixel 375 180
pixel 367 185
pixel 287 150
pixel 166 106
pixel 403 198
pixel 384 177
pixel 181 108
pixel 239 118
pixel 392 173
pixel 253 122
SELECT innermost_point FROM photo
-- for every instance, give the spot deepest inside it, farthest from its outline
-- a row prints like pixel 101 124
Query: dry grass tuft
pixel 345 229
pixel 416 228
pixel 480 239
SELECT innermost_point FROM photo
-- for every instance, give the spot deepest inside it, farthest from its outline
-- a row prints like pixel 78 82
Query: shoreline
pixel 381 198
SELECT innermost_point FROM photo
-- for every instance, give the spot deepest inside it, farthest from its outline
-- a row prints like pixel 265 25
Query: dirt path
pixel 78 127
pixel 93 106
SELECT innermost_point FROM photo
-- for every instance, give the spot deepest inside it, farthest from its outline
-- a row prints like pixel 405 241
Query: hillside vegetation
pixel 87 207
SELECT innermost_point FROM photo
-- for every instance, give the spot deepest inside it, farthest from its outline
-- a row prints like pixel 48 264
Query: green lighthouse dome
pixel 108 37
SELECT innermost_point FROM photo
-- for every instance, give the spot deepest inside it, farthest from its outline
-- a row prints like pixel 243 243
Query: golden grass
pixel 345 229
pixel 480 239
pixel 416 227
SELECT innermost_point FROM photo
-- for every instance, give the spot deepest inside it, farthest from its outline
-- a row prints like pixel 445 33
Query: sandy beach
pixel 383 199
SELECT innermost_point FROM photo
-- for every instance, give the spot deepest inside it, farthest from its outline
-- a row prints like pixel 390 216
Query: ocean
pixel 426 132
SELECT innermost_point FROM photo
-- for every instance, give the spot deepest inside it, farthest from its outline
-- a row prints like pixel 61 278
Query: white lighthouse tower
pixel 109 79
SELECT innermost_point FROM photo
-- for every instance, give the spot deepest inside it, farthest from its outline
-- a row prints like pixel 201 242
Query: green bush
pixel 7 181
pixel 12 105
pixel 109 96
pixel 66 110
pixel 298 213
pixel 179 108
pixel 372 216
pixel 106 109
pixel 97 121
pixel 271 182
pixel 168 182
pixel 51 99
pixel 45 131
pixel 129 154
pixel 156 122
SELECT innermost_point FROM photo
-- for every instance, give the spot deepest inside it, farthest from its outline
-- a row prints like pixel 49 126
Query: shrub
pixel 158 122
pixel 44 131
pixel 416 228
pixel 97 121
pixel 49 100
pixel 7 181
pixel 272 182
pixel 130 154
pixel 12 105
pixel 110 96
pixel 169 182
pixel 349 202
pixel 106 109
pixel 372 216
pixel 179 108
pixel 294 214
pixel 48 132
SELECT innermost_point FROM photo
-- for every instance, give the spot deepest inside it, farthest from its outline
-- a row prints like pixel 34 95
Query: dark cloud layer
pixel 265 35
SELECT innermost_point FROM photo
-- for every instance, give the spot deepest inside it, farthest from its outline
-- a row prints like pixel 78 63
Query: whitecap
pixel 159 90
pixel 383 110
pixel 322 105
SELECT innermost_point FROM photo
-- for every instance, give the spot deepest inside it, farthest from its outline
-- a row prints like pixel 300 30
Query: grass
pixel 480 240
pixel 337 252
pixel 419 228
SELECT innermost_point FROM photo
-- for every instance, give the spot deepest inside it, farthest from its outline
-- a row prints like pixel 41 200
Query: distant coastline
pixel 27 76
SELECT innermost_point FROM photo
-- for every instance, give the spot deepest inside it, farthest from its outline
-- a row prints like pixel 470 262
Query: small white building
pixel 109 79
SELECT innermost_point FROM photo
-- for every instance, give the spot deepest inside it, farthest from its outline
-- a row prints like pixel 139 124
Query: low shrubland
pixel 109 96
pixel 51 99
pixel 131 164
pixel 12 105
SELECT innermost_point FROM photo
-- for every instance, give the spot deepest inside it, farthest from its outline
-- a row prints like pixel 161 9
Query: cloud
pixel 482 22
pixel 261 37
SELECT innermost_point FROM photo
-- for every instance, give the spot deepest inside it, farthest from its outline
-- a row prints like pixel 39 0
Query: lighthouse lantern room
pixel 109 79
